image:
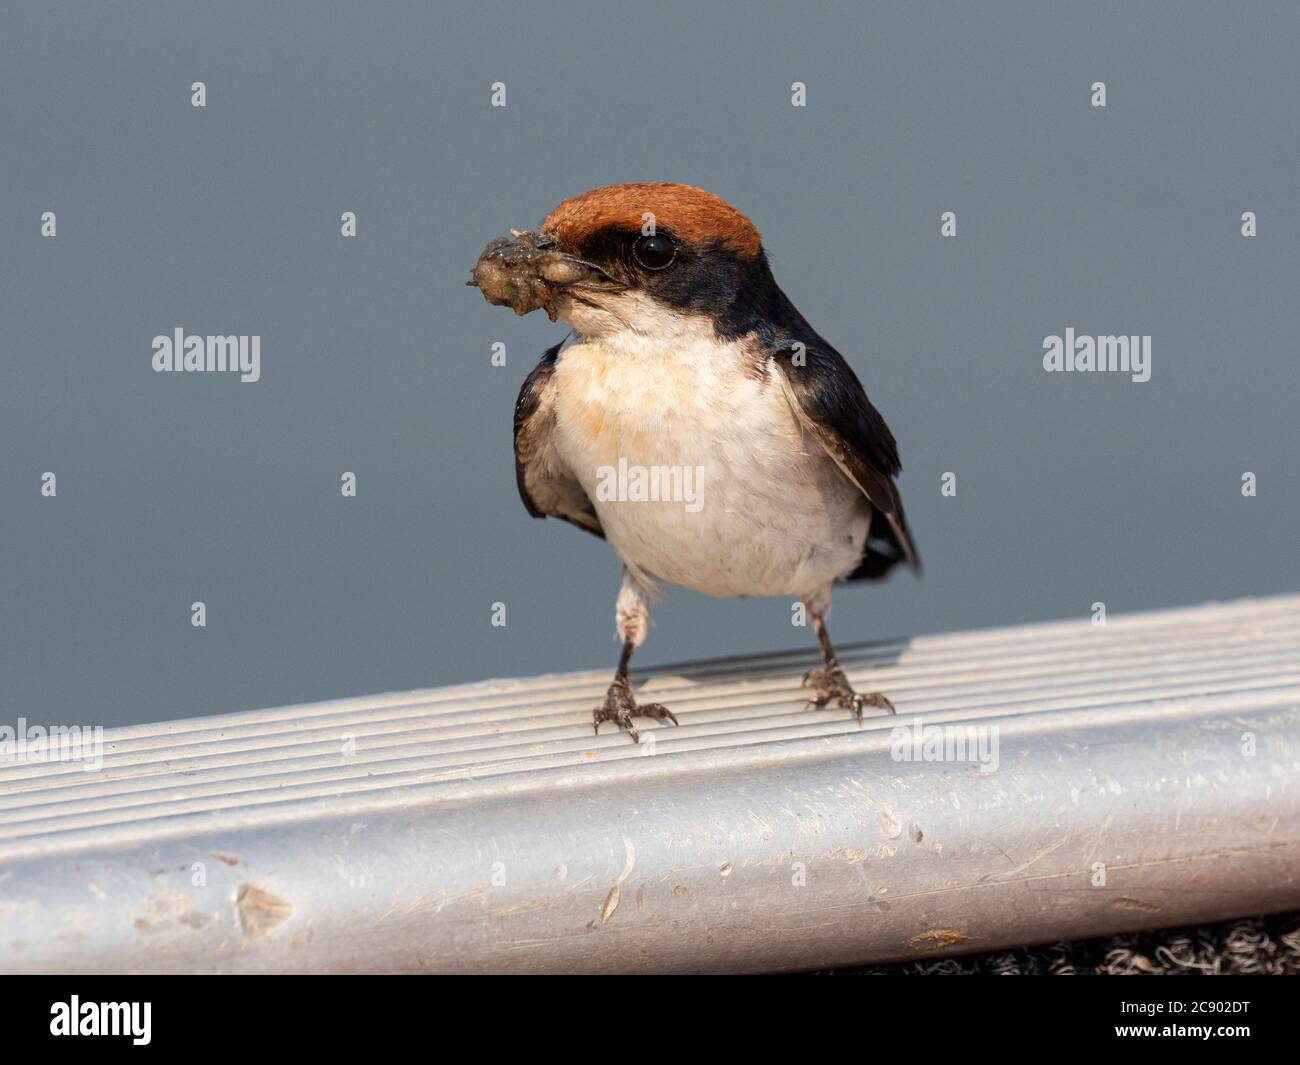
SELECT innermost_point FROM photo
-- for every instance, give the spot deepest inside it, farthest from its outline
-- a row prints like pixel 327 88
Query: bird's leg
pixel 632 616
pixel 620 706
pixel 830 683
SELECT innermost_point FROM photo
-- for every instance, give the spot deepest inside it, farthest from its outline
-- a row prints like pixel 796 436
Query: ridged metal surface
pixel 427 830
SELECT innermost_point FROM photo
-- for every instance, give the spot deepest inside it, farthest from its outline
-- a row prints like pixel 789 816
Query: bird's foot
pixel 830 684
pixel 621 707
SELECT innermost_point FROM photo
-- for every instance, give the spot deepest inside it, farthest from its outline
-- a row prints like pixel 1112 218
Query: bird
pixel 694 419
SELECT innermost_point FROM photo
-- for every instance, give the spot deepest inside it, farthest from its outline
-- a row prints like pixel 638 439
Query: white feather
pixel 640 383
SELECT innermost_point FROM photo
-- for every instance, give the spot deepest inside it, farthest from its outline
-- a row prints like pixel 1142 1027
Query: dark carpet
pixel 1250 945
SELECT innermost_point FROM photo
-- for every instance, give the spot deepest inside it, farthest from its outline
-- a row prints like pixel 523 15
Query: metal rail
pixel 1039 782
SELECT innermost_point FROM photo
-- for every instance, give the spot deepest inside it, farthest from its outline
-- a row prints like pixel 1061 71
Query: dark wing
pixel 546 484
pixel 832 406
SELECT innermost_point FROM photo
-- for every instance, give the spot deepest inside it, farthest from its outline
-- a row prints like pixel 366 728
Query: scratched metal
pixel 1147 774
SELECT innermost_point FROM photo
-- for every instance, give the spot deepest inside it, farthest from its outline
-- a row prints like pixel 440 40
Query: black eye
pixel 654 252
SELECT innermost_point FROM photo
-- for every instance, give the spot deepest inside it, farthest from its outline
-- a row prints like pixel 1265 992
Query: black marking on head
pixel 737 292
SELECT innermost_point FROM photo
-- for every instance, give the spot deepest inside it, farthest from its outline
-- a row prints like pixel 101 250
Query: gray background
pixel 375 358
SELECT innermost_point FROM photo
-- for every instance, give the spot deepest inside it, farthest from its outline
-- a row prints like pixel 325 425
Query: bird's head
pixel 640 256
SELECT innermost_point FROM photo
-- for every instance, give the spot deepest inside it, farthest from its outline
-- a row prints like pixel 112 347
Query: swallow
pixel 694 419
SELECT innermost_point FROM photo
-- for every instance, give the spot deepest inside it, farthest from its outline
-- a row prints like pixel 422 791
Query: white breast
pixel 748 503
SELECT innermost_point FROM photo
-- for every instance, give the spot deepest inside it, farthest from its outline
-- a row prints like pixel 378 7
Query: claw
pixel 620 707
pixel 657 711
pixel 832 683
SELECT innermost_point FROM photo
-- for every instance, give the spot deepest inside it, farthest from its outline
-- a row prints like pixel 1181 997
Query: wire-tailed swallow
pixel 693 418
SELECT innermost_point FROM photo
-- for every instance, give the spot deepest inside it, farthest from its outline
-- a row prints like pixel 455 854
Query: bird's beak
pixel 527 270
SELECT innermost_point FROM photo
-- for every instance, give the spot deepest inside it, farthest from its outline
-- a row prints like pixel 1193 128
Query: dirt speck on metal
pixel 1136 905
pixel 611 904
pixel 259 911
pixel 890 825
pixel 937 938
pixel 164 909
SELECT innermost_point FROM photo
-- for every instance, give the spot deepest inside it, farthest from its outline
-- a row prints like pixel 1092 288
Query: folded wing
pixel 546 484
